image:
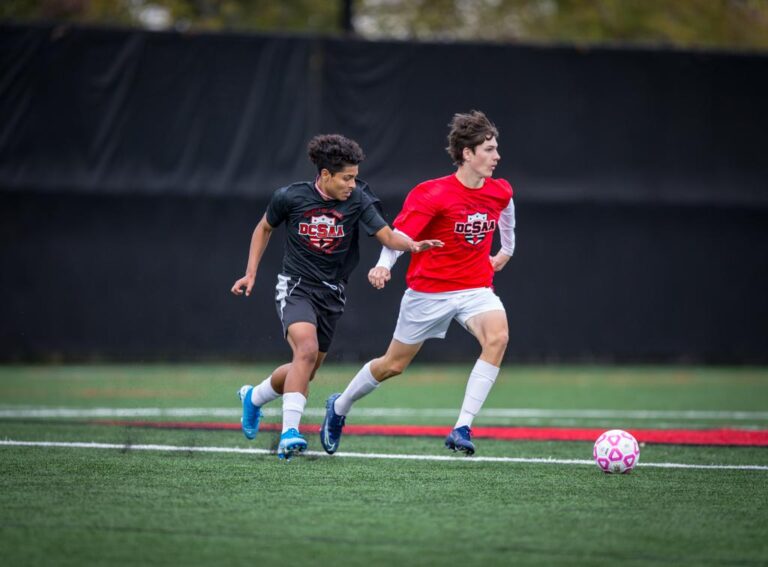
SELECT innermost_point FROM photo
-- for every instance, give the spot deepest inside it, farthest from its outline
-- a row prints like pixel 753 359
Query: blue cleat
pixel 330 432
pixel 460 440
pixel 291 443
pixel 251 414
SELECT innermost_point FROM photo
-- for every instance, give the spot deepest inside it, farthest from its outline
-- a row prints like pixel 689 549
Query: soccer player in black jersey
pixel 321 250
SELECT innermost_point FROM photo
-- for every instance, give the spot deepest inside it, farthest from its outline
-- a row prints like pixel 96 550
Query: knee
pixel 306 353
pixel 497 341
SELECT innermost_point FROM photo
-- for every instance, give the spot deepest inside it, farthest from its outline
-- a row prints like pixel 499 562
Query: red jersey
pixel 465 220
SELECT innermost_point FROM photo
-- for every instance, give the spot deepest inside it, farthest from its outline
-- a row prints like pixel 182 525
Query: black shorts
pixel 319 303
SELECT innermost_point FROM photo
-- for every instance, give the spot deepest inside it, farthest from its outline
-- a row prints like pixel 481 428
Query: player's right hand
pixel 499 261
pixel 379 276
pixel 244 282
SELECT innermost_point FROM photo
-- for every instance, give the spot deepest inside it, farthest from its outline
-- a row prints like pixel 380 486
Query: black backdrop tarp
pixel 134 165
pixel 138 112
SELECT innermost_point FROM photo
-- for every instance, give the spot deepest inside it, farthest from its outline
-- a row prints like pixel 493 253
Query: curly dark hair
pixel 468 131
pixel 334 152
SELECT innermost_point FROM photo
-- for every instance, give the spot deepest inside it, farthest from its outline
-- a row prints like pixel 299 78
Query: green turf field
pixel 195 501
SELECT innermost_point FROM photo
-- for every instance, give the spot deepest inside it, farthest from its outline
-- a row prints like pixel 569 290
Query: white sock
pixel 361 385
pixel 293 408
pixel 480 381
pixel 264 393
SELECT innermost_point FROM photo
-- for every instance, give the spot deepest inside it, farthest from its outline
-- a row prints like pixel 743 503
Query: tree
pixel 741 24
pixel 729 24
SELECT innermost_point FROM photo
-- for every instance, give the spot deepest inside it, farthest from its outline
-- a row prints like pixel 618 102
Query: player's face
pixel 484 159
pixel 340 185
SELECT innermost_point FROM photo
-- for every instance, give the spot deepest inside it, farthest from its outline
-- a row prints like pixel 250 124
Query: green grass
pixel 422 386
pixel 65 506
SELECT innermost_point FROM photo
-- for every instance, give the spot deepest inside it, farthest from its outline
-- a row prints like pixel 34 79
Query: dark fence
pixel 134 165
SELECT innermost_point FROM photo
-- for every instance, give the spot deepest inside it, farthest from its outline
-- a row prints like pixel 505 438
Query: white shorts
pixel 427 315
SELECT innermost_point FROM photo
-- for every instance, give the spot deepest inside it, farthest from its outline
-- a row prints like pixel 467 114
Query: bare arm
pixel 259 241
pixel 396 240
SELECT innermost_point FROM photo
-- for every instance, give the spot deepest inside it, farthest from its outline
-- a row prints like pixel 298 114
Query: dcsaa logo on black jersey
pixel 475 228
pixel 322 232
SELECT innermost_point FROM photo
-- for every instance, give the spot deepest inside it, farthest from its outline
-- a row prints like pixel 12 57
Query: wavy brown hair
pixel 468 131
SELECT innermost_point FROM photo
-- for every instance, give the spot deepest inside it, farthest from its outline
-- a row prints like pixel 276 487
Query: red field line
pixel 741 437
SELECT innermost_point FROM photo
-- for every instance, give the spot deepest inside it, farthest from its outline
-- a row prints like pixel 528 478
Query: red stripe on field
pixel 754 438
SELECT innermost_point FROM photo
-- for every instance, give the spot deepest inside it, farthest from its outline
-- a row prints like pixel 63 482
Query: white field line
pixel 60 412
pixel 404 457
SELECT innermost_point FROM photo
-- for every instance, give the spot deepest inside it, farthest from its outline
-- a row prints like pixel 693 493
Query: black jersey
pixel 321 236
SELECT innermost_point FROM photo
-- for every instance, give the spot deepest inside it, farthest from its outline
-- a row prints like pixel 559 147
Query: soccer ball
pixel 616 451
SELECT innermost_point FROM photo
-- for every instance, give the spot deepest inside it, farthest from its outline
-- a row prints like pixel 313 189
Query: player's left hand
pixel 423 245
pixel 379 276
pixel 499 261
pixel 244 283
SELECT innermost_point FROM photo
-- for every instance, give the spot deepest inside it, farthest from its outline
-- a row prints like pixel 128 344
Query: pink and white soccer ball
pixel 616 451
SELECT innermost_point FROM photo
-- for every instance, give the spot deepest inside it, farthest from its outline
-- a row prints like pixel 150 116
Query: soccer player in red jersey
pixel 453 282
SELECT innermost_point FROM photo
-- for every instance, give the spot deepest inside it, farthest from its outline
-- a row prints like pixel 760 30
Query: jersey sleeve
pixel 419 208
pixel 371 219
pixel 277 209
pixel 365 188
pixel 507 188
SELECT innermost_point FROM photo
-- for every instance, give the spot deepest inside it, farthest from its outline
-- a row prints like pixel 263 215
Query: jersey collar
pixel 325 196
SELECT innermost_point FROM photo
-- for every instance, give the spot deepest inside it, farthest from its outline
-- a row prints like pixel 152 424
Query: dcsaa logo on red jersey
pixel 322 232
pixel 475 228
